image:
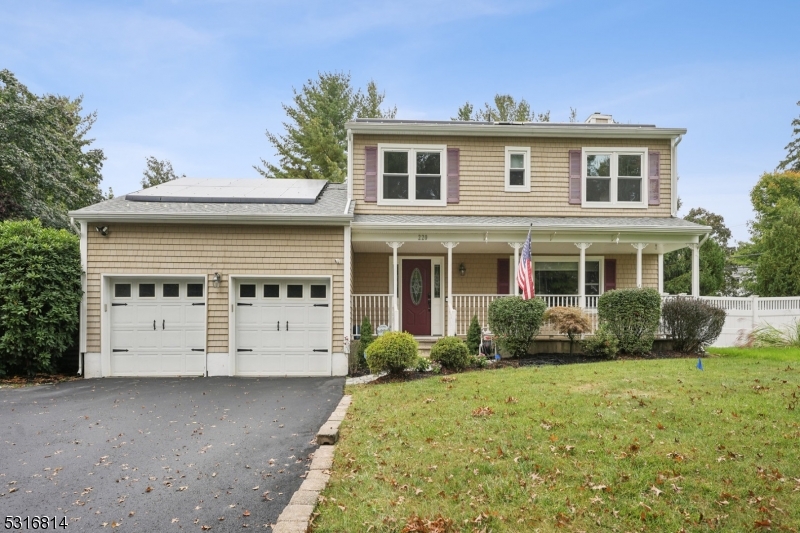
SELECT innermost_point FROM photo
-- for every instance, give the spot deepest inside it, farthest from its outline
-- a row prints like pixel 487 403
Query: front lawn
pixel 774 354
pixel 617 446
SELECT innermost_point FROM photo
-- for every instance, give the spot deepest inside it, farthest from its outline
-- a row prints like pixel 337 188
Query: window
pixel 412 175
pixel 194 290
pixel 319 291
pixel 613 177
pixel 247 291
pixel 171 290
pixel 272 290
pixel 294 291
pixel 560 276
pixel 147 290
pixel 122 290
pixel 517 170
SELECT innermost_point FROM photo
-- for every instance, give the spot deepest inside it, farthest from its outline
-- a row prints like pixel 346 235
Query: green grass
pixel 613 446
pixel 773 354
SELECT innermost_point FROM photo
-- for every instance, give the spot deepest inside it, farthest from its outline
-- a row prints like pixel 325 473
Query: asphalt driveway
pixel 160 454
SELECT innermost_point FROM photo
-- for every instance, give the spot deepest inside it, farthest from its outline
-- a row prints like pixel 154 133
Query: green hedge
pixel 392 352
pixel 451 353
pixel 40 295
pixel 516 322
pixel 692 324
pixel 632 315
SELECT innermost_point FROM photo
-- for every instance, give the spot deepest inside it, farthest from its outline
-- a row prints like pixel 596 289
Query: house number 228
pixel 422 237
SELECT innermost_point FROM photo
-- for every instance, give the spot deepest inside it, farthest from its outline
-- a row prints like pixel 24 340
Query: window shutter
pixel 370 173
pixel 453 175
pixel 609 275
pixel 503 281
pixel 575 177
pixel 654 179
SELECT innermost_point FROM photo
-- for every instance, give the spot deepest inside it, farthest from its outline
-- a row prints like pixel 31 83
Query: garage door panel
pixel 318 316
pixel 319 364
pixel 247 315
pixel 295 314
pixel 297 364
pixel 259 364
pixel 173 339
pixel 123 314
pixel 271 314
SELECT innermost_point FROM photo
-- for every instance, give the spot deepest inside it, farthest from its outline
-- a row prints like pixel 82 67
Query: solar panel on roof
pixel 241 191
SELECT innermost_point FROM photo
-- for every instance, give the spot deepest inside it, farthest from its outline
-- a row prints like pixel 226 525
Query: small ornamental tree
pixel 569 321
pixel 474 335
pixel 632 315
pixel 40 295
pixel 366 339
pixel 516 322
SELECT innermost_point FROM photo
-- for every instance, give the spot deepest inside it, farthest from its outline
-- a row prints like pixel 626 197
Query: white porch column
pixel 582 246
pixel 348 277
pixel 639 247
pixel 660 273
pixel 451 312
pixel 516 246
pixel 695 269
pixel 395 311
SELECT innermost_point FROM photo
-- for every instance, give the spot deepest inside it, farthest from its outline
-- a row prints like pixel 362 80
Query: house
pixel 268 277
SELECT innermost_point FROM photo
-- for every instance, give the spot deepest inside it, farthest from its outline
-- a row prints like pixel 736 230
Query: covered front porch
pixel 431 279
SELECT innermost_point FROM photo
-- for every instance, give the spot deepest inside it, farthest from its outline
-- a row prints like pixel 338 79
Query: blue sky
pixel 198 82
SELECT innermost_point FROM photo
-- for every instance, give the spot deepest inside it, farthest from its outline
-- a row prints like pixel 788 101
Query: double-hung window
pixel 614 177
pixel 518 169
pixel 412 175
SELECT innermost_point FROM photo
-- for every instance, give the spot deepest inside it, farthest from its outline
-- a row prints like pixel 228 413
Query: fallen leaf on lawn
pixel 115 524
pixel 660 425
pixel 246 513
pixel 553 438
pixel 342 508
pixel 511 399
pixel 418 491
pixel 766 523
pixel 429 400
pixel 656 490
pixel 483 411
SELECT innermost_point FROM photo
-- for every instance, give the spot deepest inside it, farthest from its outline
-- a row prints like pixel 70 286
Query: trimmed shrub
pixel 422 364
pixel 569 321
pixel 393 352
pixel 474 335
pixel 40 295
pixel 363 343
pixel 516 322
pixel 451 353
pixel 632 315
pixel 477 361
pixel 602 344
pixel 692 324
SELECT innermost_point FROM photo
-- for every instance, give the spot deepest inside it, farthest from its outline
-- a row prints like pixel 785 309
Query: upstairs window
pixel 412 175
pixel 518 171
pixel 613 177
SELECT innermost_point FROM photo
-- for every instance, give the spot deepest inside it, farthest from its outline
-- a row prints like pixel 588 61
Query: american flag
pixel 525 271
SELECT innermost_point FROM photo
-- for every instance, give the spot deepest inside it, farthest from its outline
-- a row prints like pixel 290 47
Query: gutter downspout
pixel 84 246
pixel 349 168
pixel 674 154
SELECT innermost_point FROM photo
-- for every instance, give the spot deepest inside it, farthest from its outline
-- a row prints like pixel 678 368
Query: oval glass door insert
pixel 416 286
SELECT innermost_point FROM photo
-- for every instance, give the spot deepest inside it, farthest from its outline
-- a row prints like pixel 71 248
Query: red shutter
pixel 370 173
pixel 503 276
pixel 575 177
pixel 609 275
pixel 453 175
pixel 654 179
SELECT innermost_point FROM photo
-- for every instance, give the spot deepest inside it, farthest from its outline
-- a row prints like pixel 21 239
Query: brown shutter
pixel 575 177
pixel 453 175
pixel 609 275
pixel 654 179
pixel 370 173
pixel 503 280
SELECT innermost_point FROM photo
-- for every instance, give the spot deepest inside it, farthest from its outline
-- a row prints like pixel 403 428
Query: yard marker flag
pixel 699 364
pixel 525 270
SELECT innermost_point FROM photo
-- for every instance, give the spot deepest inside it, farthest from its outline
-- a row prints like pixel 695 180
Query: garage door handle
pixel 114 305
pixel 287 325
pixel 154 325
pixel 243 304
pixel 163 324
pixel 244 350
pixel 198 349
pixel 322 350
pixel 320 305
pixel 118 350
pixel 196 303
pixel 279 325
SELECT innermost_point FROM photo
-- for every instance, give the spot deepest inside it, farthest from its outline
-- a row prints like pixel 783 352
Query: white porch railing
pixel 377 307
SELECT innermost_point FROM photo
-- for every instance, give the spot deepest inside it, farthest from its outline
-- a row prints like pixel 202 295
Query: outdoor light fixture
pixel 462 269
pixel 102 230
pixel 215 280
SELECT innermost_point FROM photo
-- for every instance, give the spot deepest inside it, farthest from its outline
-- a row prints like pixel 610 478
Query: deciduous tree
pixel 504 109
pixel 156 172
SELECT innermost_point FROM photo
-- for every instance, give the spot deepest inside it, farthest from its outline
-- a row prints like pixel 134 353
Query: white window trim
pixel 570 259
pixel 526 186
pixel 613 192
pixel 442 148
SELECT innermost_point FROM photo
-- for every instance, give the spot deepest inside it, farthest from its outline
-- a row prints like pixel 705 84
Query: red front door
pixel 417 296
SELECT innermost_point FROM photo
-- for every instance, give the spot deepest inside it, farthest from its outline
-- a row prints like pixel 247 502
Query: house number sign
pixel 422 237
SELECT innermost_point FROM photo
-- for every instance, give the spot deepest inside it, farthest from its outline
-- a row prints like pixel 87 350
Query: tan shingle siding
pixel 482 177
pixel 203 249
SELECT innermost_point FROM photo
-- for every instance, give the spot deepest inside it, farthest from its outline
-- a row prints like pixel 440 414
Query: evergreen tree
pixel 474 335
pixel 366 339
pixel 792 161
pixel 504 109
pixel 315 143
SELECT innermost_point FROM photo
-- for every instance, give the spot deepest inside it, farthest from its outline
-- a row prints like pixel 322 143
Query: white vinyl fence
pixel 746 313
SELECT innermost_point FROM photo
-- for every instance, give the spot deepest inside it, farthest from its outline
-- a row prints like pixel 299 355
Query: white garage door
pixel 157 327
pixel 283 327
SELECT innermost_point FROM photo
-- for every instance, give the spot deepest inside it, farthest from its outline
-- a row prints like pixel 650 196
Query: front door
pixel 417 296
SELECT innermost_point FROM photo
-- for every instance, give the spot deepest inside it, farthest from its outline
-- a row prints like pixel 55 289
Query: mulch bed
pixel 38 379
pixel 543 359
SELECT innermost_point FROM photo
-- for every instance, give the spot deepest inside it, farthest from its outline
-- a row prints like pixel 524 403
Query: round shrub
pixel 692 324
pixel 516 322
pixel 451 352
pixel 632 315
pixel 392 352
pixel 40 295
pixel 602 344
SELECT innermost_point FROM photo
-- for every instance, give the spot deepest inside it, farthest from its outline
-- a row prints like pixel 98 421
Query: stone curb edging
pixel 296 515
